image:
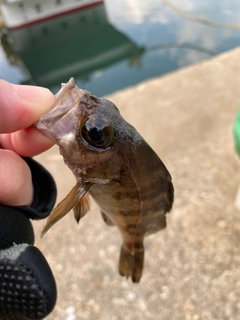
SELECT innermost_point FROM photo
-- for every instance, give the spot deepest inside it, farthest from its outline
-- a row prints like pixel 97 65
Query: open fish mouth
pixel 60 122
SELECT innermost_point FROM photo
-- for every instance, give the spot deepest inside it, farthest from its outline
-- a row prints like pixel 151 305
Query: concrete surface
pixel 192 269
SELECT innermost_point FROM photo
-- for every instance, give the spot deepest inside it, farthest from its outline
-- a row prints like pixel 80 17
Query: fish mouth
pixel 61 120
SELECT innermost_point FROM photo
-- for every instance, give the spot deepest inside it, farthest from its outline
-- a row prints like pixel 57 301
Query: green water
pixel 117 44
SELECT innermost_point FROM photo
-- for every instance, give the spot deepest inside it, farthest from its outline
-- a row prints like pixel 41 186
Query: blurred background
pixel 109 45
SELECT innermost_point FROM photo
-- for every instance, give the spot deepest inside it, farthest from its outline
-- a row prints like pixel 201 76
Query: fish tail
pixel 131 263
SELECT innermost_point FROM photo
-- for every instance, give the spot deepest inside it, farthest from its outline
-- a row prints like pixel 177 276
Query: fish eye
pixel 97 134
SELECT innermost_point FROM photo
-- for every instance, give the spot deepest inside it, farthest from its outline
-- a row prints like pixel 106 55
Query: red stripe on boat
pixel 57 15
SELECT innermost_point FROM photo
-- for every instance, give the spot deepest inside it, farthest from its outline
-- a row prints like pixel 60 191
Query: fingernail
pixel 32 93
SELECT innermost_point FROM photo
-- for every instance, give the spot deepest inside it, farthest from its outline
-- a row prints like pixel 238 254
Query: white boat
pixel 23 13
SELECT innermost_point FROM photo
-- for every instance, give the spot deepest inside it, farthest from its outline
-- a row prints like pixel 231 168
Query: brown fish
pixel 112 163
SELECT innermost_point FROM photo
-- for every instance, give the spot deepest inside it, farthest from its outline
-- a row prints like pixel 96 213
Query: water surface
pixel 118 44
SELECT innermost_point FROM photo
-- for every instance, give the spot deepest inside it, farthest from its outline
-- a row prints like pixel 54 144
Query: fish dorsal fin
pixel 82 207
pixel 73 197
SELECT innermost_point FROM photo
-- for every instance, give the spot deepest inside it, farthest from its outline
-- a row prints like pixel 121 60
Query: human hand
pixel 20 107
pixel 27 286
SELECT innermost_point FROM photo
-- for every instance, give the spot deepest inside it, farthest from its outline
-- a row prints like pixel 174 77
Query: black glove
pixel 27 285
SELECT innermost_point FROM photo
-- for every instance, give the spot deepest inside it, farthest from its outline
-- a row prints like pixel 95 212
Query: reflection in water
pixel 10 53
pixel 73 45
pixel 143 39
pixel 200 20
pixel 181 45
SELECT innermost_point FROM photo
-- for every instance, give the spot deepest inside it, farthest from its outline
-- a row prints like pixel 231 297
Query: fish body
pixel 112 163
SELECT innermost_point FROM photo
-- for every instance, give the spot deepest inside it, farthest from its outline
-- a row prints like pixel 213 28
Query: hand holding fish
pixel 23 196
pixel 112 163
pixel 20 107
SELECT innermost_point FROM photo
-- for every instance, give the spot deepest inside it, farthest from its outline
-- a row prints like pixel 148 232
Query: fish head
pixel 86 129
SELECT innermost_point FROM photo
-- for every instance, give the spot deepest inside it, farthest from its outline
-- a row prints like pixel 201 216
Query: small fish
pixel 112 163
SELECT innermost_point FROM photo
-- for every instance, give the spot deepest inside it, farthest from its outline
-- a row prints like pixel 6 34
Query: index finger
pixel 21 105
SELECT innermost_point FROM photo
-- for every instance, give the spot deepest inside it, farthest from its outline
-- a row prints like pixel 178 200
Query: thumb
pixel 21 106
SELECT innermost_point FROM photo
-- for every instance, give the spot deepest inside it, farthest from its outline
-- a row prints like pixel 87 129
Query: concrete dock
pixel 192 268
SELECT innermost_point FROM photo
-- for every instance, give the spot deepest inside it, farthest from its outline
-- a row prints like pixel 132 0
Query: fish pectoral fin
pixel 73 197
pixel 106 219
pixel 81 207
pixel 131 264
